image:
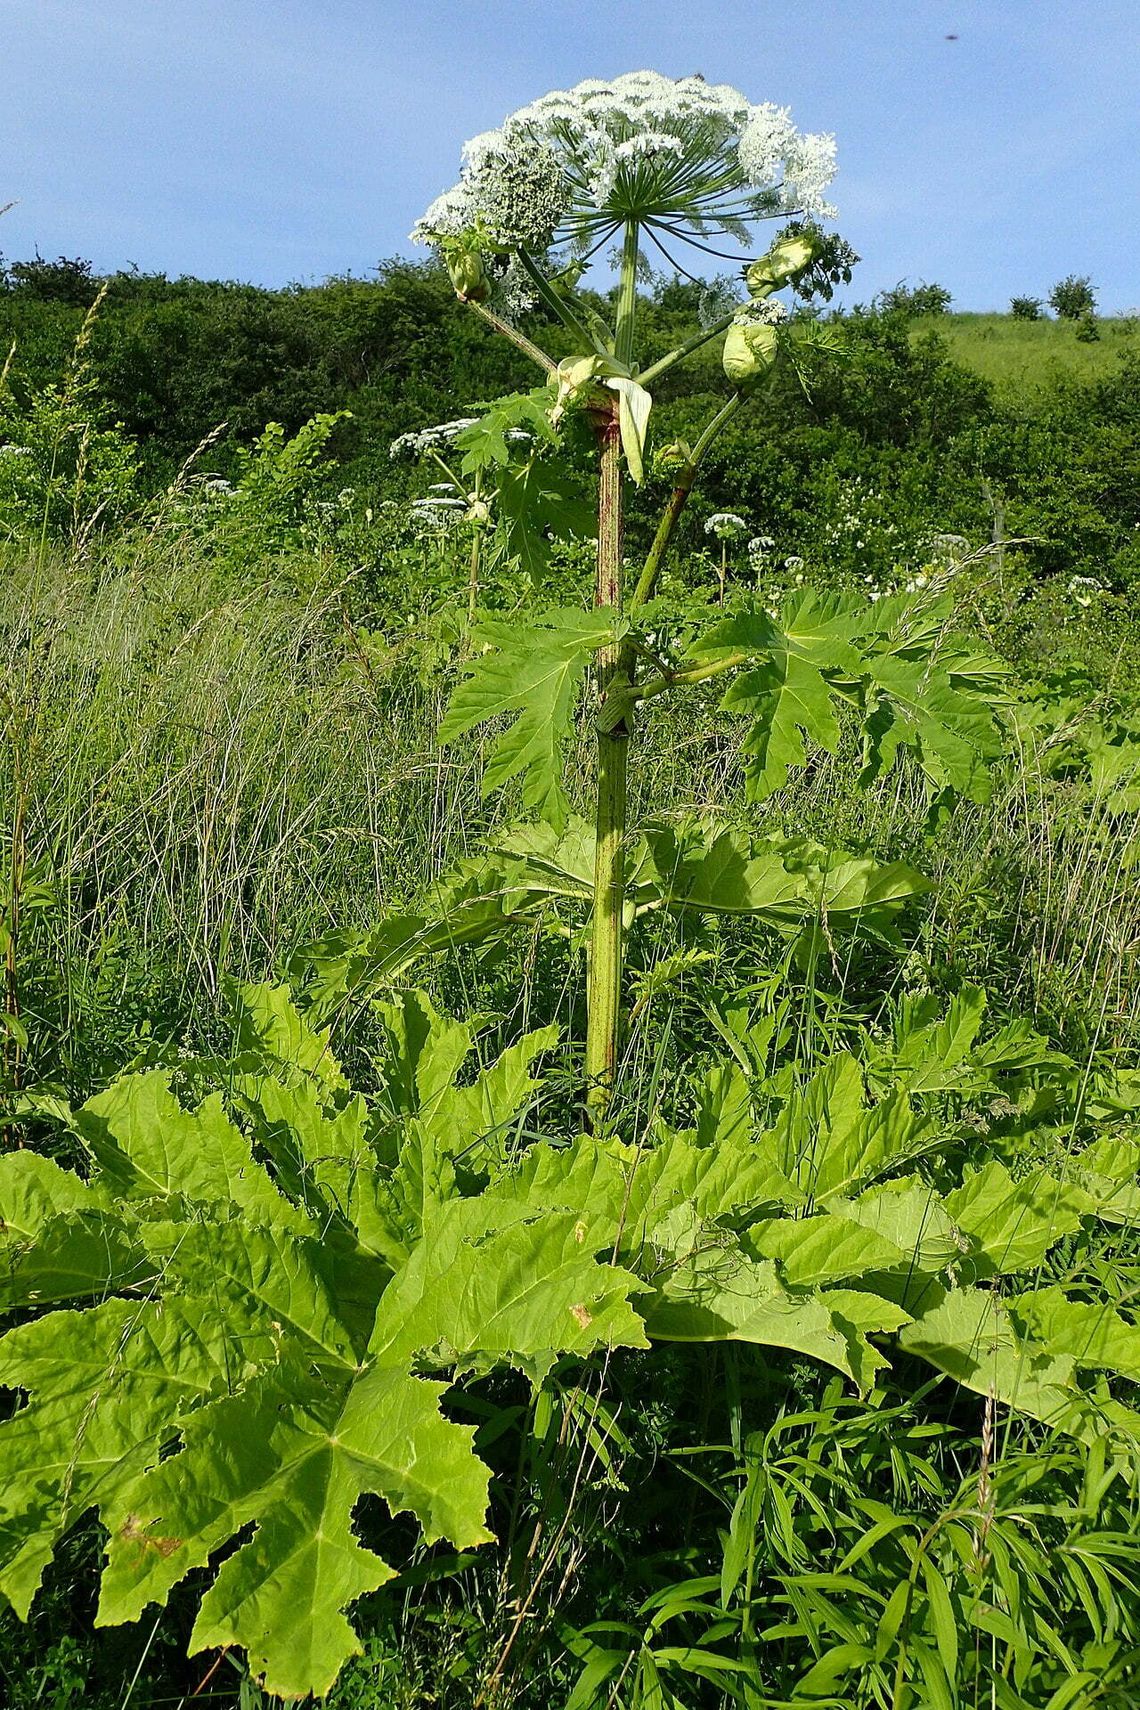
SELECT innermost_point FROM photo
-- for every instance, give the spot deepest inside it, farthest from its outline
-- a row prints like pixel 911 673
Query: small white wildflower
pixel 1084 589
pixel 421 440
pixel 726 525
pixel 949 546
pixel 436 515
pixel 758 549
pixel 767 311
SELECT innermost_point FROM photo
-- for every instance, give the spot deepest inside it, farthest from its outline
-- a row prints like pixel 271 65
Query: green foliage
pixel 534 673
pixel 275 478
pixel 1073 297
pixel 913 685
pixel 248 1339
pixel 175 359
pixel 913 300
pixel 64 468
pixel 861 1564
pixel 543 878
pixel 486 444
pixel 830 1155
pixel 66 280
pixel 1025 308
pixel 272 1339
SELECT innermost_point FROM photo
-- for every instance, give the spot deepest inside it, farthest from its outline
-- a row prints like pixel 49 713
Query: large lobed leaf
pixel 699 867
pixel 253 1366
pixel 532 672
pixel 910 681
pixel 296 1464
pixel 264 1379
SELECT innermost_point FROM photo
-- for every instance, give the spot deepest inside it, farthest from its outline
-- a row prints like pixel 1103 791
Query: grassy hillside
pixel 1023 356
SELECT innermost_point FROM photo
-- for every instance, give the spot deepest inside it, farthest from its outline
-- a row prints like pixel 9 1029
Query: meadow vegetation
pixel 1023 357
pixel 801 1366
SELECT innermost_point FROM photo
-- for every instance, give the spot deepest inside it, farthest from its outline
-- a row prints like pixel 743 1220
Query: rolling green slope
pixel 1025 355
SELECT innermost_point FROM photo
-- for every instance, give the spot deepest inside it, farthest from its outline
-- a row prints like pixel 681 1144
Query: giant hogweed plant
pixel 248 1310
pixel 649 161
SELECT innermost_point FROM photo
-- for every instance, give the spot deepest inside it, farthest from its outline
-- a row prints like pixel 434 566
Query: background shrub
pixel 920 299
pixel 1073 297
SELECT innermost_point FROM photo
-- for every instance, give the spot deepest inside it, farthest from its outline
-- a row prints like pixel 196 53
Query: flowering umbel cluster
pixel 725 525
pixel 681 156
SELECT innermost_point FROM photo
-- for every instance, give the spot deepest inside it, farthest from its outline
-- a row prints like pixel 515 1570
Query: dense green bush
pixel 914 300
pixel 1073 297
pixel 177 362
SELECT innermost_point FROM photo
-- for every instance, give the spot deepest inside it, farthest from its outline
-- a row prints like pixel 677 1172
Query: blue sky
pixel 280 140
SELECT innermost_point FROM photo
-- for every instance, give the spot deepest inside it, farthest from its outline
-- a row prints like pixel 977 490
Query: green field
pixel 1023 356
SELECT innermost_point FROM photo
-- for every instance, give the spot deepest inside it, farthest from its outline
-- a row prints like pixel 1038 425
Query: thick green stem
pixel 624 697
pixel 723 416
pixel 672 357
pixel 606 946
pixel 627 297
pixel 604 991
pixel 558 306
pixel 678 499
pixel 473 565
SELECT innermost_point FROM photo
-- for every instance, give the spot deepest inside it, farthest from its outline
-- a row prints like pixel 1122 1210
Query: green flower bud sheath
pixel 468 276
pixel 786 260
pixel 749 352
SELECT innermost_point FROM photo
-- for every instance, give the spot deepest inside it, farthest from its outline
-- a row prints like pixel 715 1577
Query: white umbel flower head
pixel 422 440
pixel 725 525
pixel 681 156
pixel 767 311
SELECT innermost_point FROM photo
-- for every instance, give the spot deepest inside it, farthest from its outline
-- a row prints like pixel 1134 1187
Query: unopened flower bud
pixel 674 455
pixel 468 276
pixel 785 261
pixel 749 352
